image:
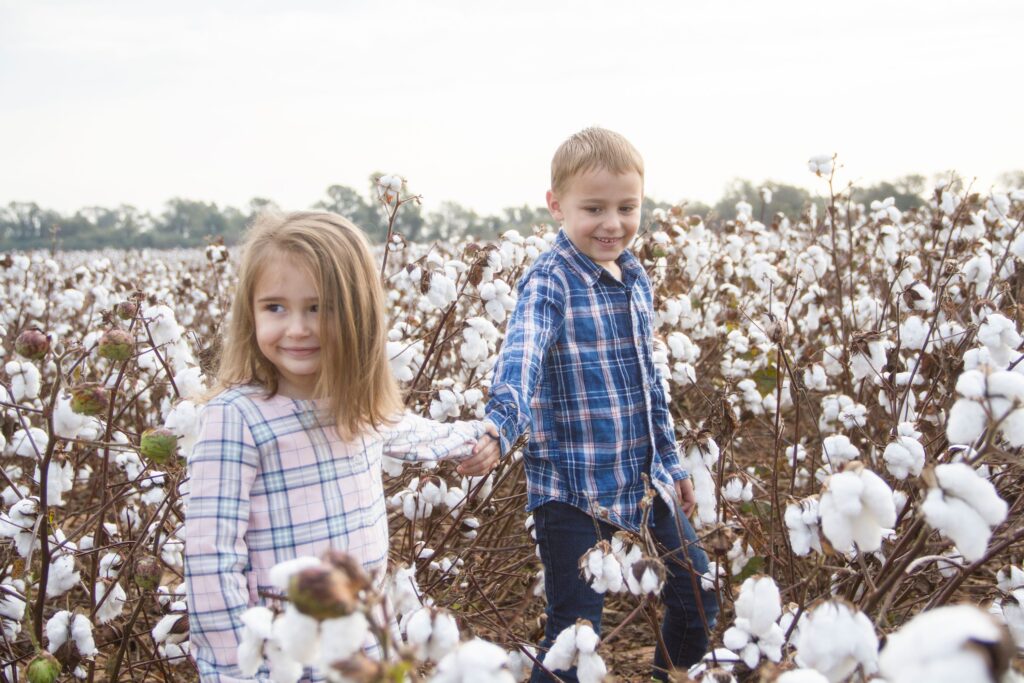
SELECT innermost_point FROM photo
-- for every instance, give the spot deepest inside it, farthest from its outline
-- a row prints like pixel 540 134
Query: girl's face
pixel 286 309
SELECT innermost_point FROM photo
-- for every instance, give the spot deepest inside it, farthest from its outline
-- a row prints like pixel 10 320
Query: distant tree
pixel 347 202
pixel 908 191
pixel 1011 180
pixel 789 199
pixel 452 220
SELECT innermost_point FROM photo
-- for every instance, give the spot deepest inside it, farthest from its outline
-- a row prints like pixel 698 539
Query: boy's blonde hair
pixel 355 376
pixel 589 149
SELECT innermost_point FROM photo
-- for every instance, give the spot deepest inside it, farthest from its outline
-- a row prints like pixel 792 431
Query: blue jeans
pixel 564 533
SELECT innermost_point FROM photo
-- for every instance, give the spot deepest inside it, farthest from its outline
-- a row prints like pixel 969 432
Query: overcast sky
pixel 109 102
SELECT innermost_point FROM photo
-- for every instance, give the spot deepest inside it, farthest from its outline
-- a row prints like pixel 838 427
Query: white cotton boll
pixel 190 382
pixel 475 661
pixel 967 421
pixel 562 654
pixel 283 668
pixel 81 633
pixel 802 521
pixel 403 590
pixel 913 333
pixel 964 507
pixel 343 637
pixel 815 378
pixel 835 639
pixel 281 573
pixel 1010 578
pixel 393 467
pixel 855 508
pixel 759 604
pixel 402 358
pixel 298 635
pixel 944 645
pixel 60 478
pixel 442 291
pixel 58 629
pixel 66 422
pixel 832 360
pixel 29 444
pixel 591 668
pixel 162 631
pixel 184 421
pixel 25 380
pixel 855 415
pixel 999 334
pixel 837 449
pixel 820 164
pixel 63 576
pixel 520 665
pixel 257 626
pixel 112 606
pixel 904 456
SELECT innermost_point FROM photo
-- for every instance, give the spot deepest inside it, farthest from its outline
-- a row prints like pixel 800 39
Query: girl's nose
pixel 299 325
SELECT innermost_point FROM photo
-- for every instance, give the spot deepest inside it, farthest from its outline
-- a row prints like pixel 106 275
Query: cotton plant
pixel 756 633
pixel 836 640
pixel 964 507
pixel 856 508
pixel 476 661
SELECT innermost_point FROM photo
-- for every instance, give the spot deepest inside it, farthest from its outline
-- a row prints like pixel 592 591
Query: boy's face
pixel 600 212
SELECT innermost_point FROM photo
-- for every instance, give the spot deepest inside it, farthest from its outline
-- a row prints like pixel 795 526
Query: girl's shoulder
pixel 249 400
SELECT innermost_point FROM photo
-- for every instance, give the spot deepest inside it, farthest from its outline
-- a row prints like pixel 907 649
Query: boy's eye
pixel 628 209
pixel 593 209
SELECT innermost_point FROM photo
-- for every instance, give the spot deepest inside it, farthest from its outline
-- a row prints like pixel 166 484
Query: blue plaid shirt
pixel 577 371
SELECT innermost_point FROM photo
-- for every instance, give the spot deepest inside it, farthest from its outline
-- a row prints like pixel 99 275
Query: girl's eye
pixel 315 308
pixel 274 308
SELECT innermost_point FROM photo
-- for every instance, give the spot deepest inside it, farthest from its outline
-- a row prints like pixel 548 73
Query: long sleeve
pixel 222 468
pixel 665 429
pixel 532 329
pixel 415 438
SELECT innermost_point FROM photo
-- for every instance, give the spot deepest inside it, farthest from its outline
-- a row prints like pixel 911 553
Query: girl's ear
pixel 554 206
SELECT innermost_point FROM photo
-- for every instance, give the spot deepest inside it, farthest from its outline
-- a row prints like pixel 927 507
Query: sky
pixel 105 102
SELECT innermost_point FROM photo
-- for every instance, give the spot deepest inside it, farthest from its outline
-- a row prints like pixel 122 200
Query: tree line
pixel 189 223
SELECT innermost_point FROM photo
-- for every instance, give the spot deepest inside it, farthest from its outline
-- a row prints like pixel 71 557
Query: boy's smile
pixel 600 213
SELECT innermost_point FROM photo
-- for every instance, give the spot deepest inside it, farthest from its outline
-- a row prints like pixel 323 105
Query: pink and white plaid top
pixel 270 482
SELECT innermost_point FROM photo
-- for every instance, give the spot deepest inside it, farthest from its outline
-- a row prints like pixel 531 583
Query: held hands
pixel 485 455
pixel 687 498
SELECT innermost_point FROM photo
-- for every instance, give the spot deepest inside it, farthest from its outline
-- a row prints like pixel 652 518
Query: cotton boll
pixel 855 508
pixel 964 507
pixel 802 521
pixel 474 661
pixel 948 644
pixel 343 637
pixel 298 635
pixel 63 576
pixel 835 640
pixel 113 605
pixel 904 456
pixel 29 443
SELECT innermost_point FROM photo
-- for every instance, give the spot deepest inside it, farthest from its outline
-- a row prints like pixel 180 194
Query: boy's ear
pixel 554 206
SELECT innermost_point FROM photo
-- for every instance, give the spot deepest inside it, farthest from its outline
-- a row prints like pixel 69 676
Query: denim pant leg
pixel 683 628
pixel 564 534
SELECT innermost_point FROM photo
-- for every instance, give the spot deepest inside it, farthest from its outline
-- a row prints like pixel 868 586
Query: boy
pixel 576 370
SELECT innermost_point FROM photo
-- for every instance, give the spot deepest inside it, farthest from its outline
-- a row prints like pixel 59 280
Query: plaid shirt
pixel 577 371
pixel 268 482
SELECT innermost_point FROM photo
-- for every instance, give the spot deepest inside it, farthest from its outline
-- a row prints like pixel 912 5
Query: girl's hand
pixel 486 454
pixel 687 498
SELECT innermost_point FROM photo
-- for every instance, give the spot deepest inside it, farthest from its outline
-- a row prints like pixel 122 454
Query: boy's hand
pixel 486 454
pixel 687 498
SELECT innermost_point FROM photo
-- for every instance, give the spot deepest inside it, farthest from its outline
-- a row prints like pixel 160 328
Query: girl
pixel 288 462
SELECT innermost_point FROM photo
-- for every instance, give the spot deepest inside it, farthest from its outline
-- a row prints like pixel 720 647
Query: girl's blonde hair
pixel 355 376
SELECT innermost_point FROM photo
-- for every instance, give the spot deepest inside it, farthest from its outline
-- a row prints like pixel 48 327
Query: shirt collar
pixel 588 269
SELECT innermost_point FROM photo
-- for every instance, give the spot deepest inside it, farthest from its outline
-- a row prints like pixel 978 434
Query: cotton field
pixel 849 398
